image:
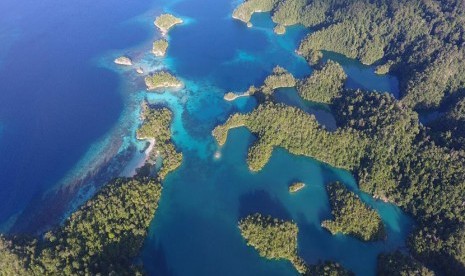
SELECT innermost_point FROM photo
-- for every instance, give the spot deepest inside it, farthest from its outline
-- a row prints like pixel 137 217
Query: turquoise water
pixel 79 113
pixel 195 230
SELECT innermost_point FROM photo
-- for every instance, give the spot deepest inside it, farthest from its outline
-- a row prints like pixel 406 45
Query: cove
pixel 195 230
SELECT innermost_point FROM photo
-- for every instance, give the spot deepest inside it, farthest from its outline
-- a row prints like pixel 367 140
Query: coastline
pixel 231 96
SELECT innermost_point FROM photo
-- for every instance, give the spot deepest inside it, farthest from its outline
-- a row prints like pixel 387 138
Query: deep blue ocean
pixel 68 117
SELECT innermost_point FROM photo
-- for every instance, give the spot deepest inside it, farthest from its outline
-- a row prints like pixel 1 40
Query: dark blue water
pixel 54 102
pixel 63 100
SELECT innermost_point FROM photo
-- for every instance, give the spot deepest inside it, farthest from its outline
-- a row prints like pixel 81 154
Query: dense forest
pixel 156 126
pixel 421 41
pixel 324 84
pixel 276 239
pixel 383 143
pixel 161 79
pixel 102 237
pixel 272 238
pixel 419 167
pixel 166 21
pixel 399 264
pixel 160 47
pixel 105 235
pixel 352 216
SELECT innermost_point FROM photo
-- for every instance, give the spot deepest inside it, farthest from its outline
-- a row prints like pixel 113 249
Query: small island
pixel 166 21
pixel 159 47
pixel 162 79
pixel 295 187
pixel 156 127
pixel 324 85
pixel 274 239
pixel 125 61
pixel 352 216
pixel 231 96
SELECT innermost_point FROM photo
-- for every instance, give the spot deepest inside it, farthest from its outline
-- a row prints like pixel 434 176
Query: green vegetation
pixel 421 41
pixel 166 21
pixel 328 269
pixel 296 131
pixel 156 126
pixel 398 264
pixel 272 238
pixel 382 142
pixel 450 127
pixel 295 187
pixel 10 261
pixel 352 216
pixel 245 11
pixel 276 239
pixel 102 237
pixel 279 78
pixel 159 47
pixel 324 84
pixel 162 79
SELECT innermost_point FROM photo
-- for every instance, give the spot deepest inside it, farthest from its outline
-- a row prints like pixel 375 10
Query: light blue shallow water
pixel 195 230
pixel 91 127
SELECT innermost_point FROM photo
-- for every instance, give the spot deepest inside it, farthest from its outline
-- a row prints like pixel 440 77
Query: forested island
pixel 295 187
pixel 352 216
pixel 162 79
pixel 159 47
pixel 156 125
pixel 272 238
pixel 276 239
pixel 166 21
pixel 324 84
pixel 379 139
pixel 420 41
pixel 419 167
